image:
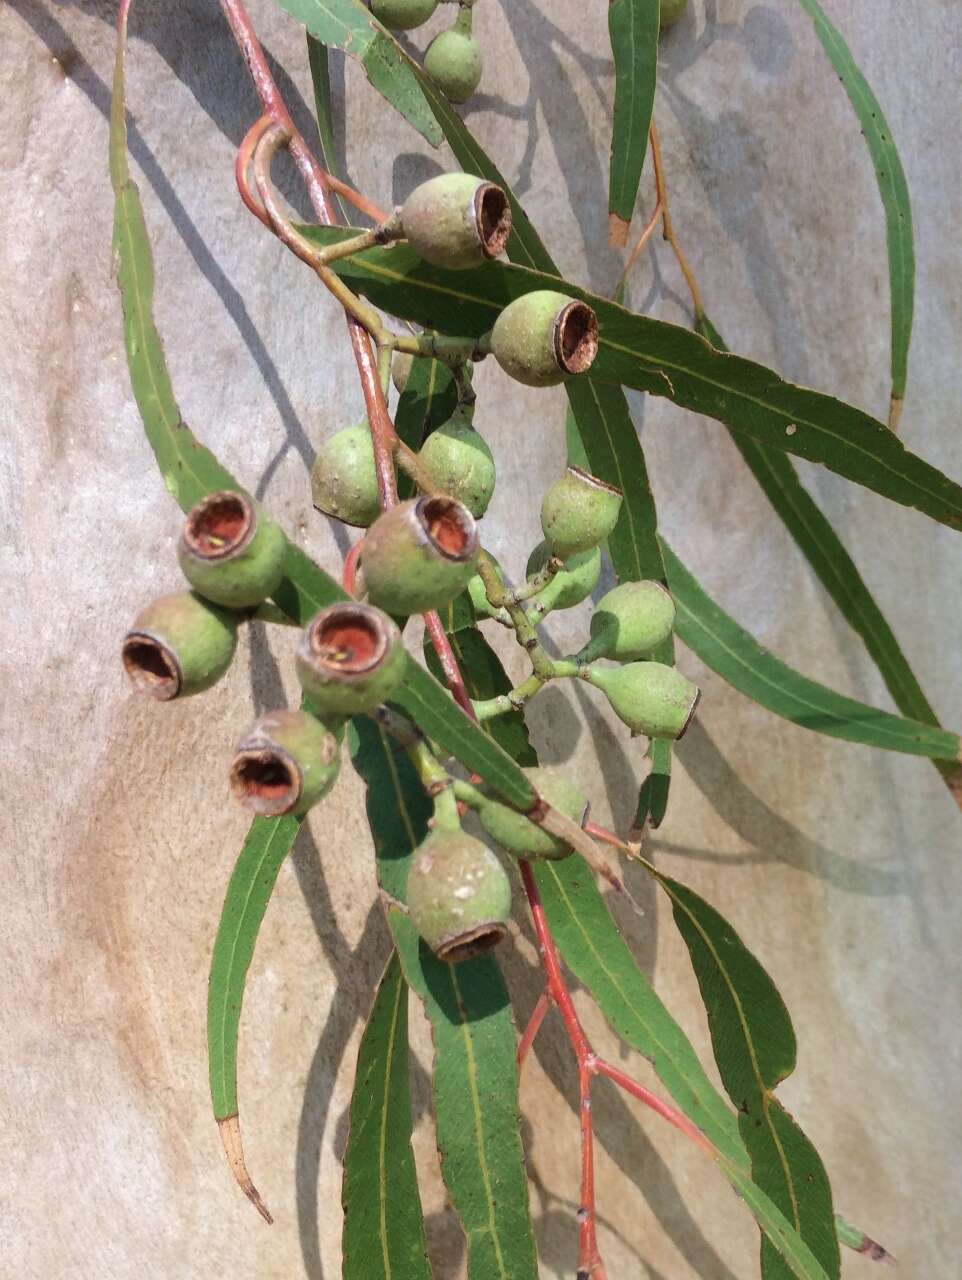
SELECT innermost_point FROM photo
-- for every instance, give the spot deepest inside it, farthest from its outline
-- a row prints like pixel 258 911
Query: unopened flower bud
pixel 573 582
pixel 459 895
pixel 350 658
pixel 453 60
pixel 630 622
pixel 419 555
pixel 403 15
pixel 459 462
pixel 343 478
pixel 456 220
pixel 230 552
pixel 649 697
pixel 578 512
pixel 286 763
pixel 179 645
pixel 543 336
pixel 524 838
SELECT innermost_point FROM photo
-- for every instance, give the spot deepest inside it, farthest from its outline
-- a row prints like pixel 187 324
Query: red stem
pixel 538 1014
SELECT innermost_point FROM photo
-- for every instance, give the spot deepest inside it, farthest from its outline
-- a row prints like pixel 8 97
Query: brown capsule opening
pixel 492 215
pixel 151 666
pixel 576 337
pixel 472 942
pixel 449 525
pixel 588 478
pixel 691 714
pixel 219 525
pixel 265 780
pixel 350 639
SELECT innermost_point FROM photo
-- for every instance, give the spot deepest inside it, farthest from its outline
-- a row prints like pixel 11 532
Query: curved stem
pixel 667 230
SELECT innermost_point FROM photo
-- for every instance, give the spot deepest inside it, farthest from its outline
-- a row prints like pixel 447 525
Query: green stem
pixel 450 351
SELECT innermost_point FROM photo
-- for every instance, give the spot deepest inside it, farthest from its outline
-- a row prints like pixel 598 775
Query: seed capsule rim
pixel 248 751
pixel 141 679
pixel 214 555
pixel 585 348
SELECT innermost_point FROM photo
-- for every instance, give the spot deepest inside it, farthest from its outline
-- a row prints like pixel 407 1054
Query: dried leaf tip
pixel 230 1136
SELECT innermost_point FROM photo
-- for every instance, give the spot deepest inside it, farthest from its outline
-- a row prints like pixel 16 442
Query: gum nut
pixel 285 763
pixel 453 61
pixel 573 583
pixel 649 697
pixel 459 463
pixel 401 370
pixel 630 622
pixel 524 838
pixel 343 479
pixel 350 658
pixel 671 11
pixel 542 337
pixel 456 220
pixel 419 555
pixel 179 645
pixel 403 15
pixel 458 895
pixel 230 552
pixel 578 512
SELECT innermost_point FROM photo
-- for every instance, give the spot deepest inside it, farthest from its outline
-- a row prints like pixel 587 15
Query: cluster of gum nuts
pixel 416 557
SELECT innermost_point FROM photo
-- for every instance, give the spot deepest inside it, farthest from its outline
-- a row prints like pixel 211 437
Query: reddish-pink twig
pixel 349 571
pixel 538 1015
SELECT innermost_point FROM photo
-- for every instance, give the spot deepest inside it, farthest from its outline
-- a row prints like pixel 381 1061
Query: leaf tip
pixel 230 1136
pixel 617 231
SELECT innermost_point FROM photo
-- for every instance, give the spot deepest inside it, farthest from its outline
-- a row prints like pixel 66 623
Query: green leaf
pixel 892 188
pixel 633 27
pixel 383 1235
pixel 317 56
pixel 475 1077
pixel 738 658
pixel 350 26
pixel 663 359
pixel 754 1045
pixel 856 1239
pixel 600 959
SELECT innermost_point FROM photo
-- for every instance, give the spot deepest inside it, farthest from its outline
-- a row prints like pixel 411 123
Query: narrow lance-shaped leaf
pixel 268 843
pixel 837 572
pixel 474 1080
pixel 893 189
pixel 383 1236
pixel 663 359
pixel 633 31
pixel 754 1045
pixel 351 27
pixel 318 56
pixel 736 656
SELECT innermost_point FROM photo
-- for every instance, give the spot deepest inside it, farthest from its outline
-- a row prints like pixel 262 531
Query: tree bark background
pixel 839 865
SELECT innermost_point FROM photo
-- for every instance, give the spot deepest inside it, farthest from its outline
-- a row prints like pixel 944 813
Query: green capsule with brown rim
pixel 344 479
pixel 285 763
pixel 524 838
pixel 350 659
pixel 543 337
pixel 230 552
pixel 456 220
pixel 458 895
pixel 630 622
pixel 419 555
pixel 650 697
pixel 179 645
pixel 578 512
pixel 453 59
pixel 574 581
pixel 458 462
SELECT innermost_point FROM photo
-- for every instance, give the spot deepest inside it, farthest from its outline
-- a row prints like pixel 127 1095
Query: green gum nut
pixel 343 478
pixel 453 60
pixel 630 622
pixel 458 895
pixel 542 337
pixel 178 645
pixel 671 11
pixel 649 697
pixel 403 15
pixel 419 555
pixel 350 658
pixel 456 220
pixel 286 763
pixel 573 583
pixel 230 552
pixel 459 462
pixel 578 512
pixel 401 370
pixel 524 838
